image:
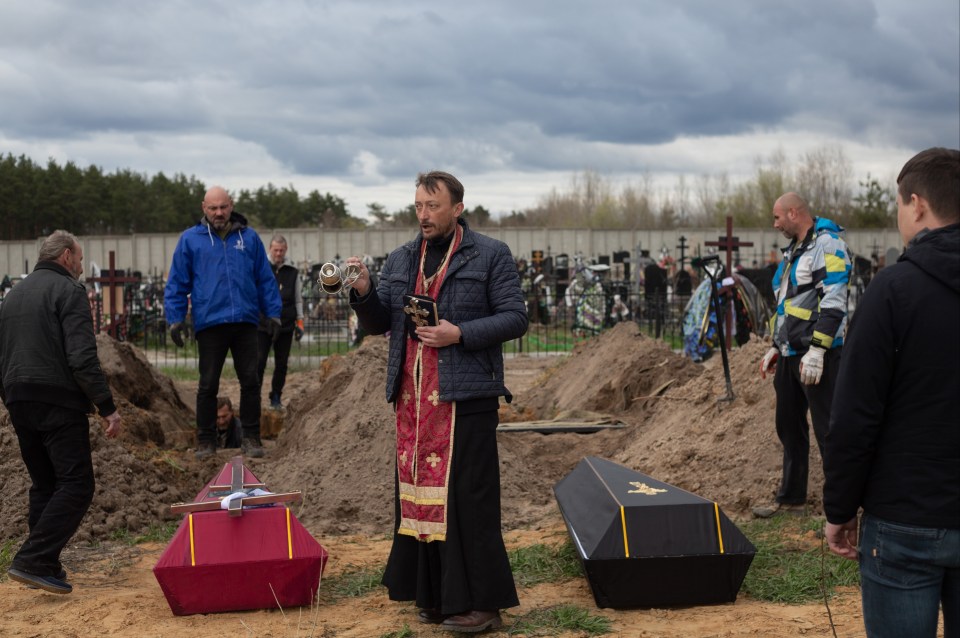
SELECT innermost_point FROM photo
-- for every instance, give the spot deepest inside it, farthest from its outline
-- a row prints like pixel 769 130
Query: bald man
pixel 811 291
pixel 222 266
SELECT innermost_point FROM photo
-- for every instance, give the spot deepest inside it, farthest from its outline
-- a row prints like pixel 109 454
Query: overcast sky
pixel 514 97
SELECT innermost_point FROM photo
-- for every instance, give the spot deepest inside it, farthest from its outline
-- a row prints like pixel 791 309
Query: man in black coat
pixel 893 447
pixel 291 321
pixel 50 379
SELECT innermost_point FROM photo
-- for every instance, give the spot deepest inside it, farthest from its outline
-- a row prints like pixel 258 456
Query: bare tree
pixel 681 196
pixel 706 197
pixel 823 178
pixel 637 205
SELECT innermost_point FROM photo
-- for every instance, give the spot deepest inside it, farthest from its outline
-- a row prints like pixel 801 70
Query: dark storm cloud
pixel 346 88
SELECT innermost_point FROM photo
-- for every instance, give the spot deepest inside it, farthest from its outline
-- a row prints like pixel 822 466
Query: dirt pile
pixel 678 431
pixel 151 408
pixel 137 475
pixel 608 375
pixel 724 451
pixel 337 445
pixel 339 437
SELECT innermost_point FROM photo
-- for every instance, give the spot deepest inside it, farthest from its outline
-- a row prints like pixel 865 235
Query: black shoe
pixel 46 583
pixel 431 616
pixel 205 449
pixel 61 576
pixel 252 447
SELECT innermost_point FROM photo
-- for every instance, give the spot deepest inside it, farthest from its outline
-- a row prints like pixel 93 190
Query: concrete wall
pixel 150 253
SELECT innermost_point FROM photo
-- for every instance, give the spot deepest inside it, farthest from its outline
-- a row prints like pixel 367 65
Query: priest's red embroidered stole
pixel 425 427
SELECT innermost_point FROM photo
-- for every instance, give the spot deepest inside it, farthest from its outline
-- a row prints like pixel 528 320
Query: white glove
pixel 811 366
pixel 769 362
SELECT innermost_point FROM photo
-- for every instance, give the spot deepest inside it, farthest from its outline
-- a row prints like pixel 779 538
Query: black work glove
pixel 273 328
pixel 176 334
pixel 298 330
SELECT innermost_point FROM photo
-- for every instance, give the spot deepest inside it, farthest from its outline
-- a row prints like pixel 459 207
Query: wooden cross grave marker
pixel 729 243
pixel 113 305
pixel 235 507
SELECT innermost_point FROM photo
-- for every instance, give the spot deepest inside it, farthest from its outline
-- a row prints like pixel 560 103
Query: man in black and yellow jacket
pixel 811 291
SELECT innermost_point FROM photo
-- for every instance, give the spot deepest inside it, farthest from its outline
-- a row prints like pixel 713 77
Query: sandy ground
pixel 117 595
pixel 335 434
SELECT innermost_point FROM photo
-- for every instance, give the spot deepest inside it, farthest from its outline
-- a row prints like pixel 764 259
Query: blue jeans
pixel 906 574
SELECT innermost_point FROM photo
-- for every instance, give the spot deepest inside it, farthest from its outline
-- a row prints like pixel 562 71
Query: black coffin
pixel 645 543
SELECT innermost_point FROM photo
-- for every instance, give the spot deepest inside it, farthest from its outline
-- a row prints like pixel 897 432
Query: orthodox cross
pixel 210 501
pixel 417 314
pixel 682 247
pixel 729 243
pixel 113 304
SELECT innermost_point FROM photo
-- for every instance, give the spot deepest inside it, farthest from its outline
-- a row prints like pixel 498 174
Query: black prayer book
pixel 420 310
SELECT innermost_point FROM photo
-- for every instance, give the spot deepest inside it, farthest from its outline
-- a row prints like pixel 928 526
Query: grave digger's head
pixel 224 413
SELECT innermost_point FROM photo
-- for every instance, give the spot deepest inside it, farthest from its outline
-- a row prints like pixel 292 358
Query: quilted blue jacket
pixel 480 294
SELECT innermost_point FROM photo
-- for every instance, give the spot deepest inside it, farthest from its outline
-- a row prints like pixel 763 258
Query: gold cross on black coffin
pixel 235 507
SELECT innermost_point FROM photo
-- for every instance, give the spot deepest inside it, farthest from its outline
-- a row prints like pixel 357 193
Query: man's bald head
pixel 218 192
pixel 791 216
pixel 217 208
pixel 792 200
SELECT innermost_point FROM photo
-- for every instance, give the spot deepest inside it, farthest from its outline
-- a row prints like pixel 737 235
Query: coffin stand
pixel 645 543
pixel 253 555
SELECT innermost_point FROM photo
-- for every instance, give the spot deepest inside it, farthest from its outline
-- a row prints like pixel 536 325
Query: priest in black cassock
pixel 449 299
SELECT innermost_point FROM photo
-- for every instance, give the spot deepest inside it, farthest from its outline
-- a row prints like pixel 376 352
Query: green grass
pixel 351 584
pixel 673 340
pixel 156 533
pixel 192 373
pixel 552 621
pixel 791 566
pixel 7 550
pixel 403 632
pixel 173 462
pixel 536 564
pixel 531 566
pixel 543 339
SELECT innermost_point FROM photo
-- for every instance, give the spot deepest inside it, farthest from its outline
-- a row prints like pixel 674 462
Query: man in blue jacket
pixel 894 441
pixel 222 266
pixel 450 298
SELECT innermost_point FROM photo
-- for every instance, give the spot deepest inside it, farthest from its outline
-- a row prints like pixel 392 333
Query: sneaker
pixel 252 447
pixel 275 401
pixel 46 583
pixel 205 449
pixel 791 509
